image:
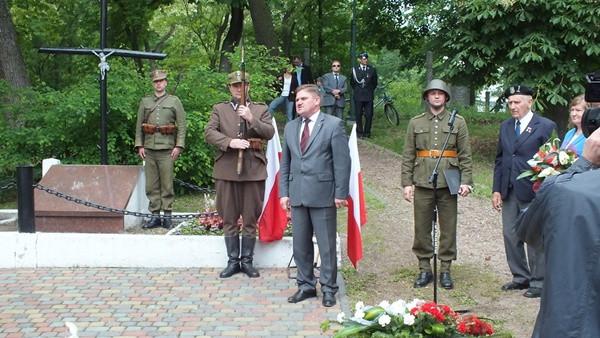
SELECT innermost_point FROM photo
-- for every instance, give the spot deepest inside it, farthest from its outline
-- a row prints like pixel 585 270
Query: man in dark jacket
pixel 564 219
pixel 520 138
pixel 363 81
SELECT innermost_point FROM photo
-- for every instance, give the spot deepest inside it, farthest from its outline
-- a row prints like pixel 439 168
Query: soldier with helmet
pixel 239 193
pixel 159 139
pixel 425 136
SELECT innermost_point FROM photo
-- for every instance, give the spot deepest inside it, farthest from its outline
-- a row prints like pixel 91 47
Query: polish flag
pixel 357 213
pixel 273 219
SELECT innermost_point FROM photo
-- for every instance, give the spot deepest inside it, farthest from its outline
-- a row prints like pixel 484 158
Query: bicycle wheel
pixel 392 114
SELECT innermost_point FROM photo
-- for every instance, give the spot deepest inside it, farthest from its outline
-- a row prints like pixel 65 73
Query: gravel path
pixel 390 267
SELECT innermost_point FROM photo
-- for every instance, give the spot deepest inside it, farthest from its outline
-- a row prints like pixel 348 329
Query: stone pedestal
pixel 119 187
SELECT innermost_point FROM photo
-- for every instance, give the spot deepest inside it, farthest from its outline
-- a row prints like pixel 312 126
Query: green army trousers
pixel 159 180
pixel 423 210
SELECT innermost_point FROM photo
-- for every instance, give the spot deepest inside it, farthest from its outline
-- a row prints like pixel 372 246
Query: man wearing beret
pixel 519 139
pixel 363 82
pixel 239 194
pixel 159 139
pixel 425 137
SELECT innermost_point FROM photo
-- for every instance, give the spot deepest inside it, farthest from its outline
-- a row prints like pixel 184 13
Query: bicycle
pixel 388 108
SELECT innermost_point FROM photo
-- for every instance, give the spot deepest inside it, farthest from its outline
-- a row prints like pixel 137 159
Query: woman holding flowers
pixel 574 138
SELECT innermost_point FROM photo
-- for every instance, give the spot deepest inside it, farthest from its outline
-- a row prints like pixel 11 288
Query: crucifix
pixel 103 53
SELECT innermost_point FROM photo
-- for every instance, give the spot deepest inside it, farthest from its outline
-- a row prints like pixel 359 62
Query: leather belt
pixel 434 153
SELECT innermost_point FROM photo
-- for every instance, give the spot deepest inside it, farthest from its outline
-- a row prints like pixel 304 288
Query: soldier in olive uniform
pixel 424 139
pixel 239 193
pixel 159 139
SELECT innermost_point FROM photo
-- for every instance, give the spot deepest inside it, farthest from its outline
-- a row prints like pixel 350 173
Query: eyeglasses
pixel 335 65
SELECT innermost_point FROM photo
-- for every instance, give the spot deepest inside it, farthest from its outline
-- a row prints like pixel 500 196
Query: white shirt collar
pixel 525 120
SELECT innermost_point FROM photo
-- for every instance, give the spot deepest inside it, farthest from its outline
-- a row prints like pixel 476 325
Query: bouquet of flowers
pixel 548 161
pixel 415 319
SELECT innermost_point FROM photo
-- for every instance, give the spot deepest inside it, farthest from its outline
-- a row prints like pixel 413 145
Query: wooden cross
pixel 103 53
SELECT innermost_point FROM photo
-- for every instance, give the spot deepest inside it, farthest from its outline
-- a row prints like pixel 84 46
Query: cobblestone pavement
pixel 139 302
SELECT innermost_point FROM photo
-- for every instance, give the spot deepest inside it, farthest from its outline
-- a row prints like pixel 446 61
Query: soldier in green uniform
pixel 424 139
pixel 159 139
pixel 239 193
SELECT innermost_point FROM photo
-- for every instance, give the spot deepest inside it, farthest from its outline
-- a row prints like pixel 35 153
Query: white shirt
pixel 311 124
pixel 287 82
pixel 524 121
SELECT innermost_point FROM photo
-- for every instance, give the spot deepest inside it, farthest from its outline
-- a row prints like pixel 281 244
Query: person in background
pixel 574 138
pixel 334 87
pixel 364 82
pixel 239 194
pixel 159 139
pixel 283 86
pixel 520 138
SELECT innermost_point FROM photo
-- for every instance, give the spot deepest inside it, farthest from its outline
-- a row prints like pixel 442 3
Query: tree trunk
pixel 287 27
pixel 262 21
pixel 233 37
pixel 13 68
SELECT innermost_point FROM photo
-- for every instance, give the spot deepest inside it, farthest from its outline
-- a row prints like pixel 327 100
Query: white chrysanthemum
pixel 385 305
pixel 414 303
pixel 341 317
pixel 563 157
pixel 384 320
pixel 360 314
pixel 409 319
pixel 548 172
pixel 398 307
pixel 359 305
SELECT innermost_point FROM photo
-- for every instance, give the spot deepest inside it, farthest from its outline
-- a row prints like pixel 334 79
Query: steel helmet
pixel 439 85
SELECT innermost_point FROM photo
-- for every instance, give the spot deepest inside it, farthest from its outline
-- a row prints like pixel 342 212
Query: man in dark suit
pixel 364 81
pixel 315 174
pixel 300 76
pixel 334 88
pixel 520 138
pixel 564 218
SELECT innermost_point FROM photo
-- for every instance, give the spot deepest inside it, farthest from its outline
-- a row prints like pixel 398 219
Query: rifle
pixel 242 131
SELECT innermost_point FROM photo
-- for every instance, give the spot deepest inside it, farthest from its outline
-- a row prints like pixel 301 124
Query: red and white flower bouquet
pixel 550 160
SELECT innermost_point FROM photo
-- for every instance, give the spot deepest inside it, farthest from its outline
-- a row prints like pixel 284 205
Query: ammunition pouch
pixel 167 129
pixel 257 143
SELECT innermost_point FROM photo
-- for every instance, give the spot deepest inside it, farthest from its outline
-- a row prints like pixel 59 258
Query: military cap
pixel 518 90
pixel 363 55
pixel 158 74
pixel 236 77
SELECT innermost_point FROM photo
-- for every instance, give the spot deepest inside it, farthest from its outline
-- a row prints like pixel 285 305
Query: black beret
pixel 518 90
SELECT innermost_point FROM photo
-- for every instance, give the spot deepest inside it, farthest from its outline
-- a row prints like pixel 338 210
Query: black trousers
pixel 363 108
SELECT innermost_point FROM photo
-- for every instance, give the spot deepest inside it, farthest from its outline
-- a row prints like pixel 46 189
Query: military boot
pixel 247 254
pixel 153 222
pixel 167 223
pixel 232 243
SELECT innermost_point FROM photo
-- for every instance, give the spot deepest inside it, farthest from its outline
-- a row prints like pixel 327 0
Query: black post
pixel 103 109
pixel 26 213
pixel 353 55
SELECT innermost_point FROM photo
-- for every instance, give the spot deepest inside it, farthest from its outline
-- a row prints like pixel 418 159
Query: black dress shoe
pixel 301 295
pixel 424 278
pixel 328 299
pixel 533 292
pixel 514 286
pixel 446 280
pixel 154 222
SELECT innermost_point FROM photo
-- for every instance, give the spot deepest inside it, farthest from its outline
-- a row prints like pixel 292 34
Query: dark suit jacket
pixel 563 218
pixel 513 153
pixel 305 77
pixel 314 179
pixel 363 92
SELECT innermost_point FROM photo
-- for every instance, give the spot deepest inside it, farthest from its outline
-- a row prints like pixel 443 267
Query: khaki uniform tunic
pixel 158 162
pixel 428 132
pixel 239 194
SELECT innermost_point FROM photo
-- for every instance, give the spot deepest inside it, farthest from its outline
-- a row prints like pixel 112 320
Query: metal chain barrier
pixel 116 210
pixel 194 187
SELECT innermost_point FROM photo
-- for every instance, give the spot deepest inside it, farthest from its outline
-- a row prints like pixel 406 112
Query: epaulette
pixel 259 103
pixel 418 116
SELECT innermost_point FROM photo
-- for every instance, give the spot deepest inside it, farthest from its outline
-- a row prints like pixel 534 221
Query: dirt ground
pixel 388 268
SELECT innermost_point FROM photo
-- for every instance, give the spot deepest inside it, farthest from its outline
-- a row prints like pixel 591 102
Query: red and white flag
pixel 357 213
pixel 273 219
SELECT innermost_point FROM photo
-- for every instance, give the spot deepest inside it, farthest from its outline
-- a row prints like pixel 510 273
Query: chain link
pixel 116 210
pixel 195 187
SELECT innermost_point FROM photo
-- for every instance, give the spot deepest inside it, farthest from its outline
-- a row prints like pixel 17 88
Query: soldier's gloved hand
pixel 245 113
pixel 141 152
pixel 237 143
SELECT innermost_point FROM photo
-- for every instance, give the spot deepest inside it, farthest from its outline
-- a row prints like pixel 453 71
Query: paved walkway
pixel 136 302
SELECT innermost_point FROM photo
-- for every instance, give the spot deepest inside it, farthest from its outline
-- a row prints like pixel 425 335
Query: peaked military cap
pixel 518 90
pixel 236 77
pixel 158 74
pixel 363 55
